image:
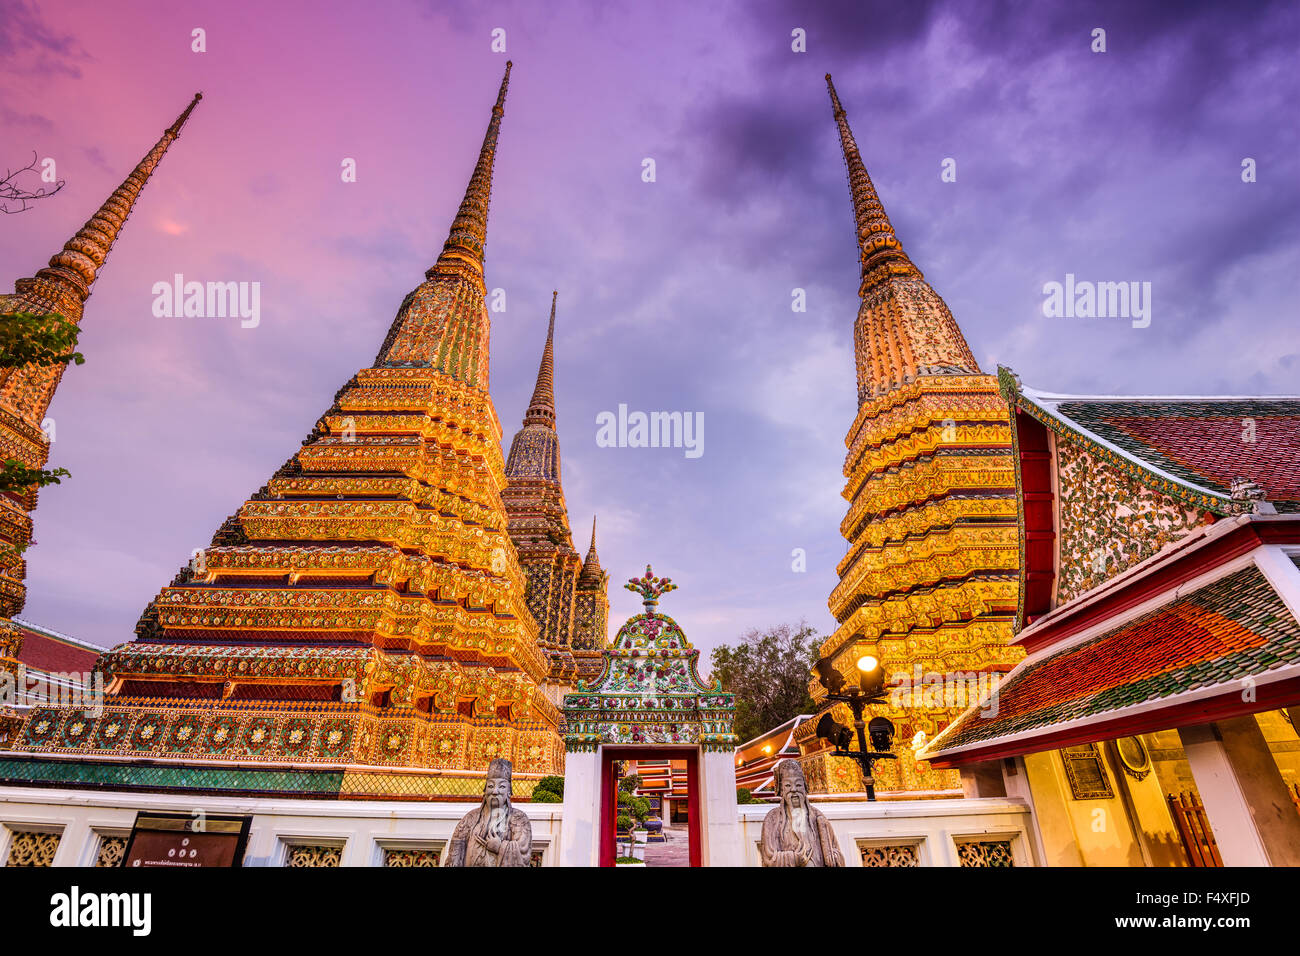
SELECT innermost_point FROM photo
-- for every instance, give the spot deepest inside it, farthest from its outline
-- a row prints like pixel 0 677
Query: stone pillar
pixel 720 830
pixel 1254 821
pixel 983 779
pixel 580 821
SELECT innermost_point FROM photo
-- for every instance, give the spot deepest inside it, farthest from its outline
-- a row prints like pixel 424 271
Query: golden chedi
pixel 929 583
pixel 365 609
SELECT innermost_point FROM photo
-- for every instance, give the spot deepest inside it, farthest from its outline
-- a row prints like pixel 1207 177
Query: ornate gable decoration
pixel 650 691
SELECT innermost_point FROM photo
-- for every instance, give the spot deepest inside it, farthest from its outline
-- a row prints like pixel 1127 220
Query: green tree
pixel 768 671
pixel 30 338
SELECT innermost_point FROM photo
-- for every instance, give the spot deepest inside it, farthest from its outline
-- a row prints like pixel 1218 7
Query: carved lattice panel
pixel 412 857
pixel 985 853
pixel 901 854
pixel 111 851
pixel 28 848
pixel 305 855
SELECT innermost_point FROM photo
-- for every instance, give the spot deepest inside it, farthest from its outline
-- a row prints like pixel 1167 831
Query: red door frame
pixel 608 800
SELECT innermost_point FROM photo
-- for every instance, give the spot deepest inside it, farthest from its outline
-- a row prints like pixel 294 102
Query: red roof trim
pixel 1270 696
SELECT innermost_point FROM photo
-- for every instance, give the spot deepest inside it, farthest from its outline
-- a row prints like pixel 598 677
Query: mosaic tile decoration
pixel 650 690
pixel 1229 629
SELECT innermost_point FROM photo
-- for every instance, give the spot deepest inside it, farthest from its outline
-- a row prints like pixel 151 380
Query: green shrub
pixel 744 796
pixel 546 796
pixel 553 785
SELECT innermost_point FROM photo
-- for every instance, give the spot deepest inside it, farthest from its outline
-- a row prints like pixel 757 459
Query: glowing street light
pixel 870 690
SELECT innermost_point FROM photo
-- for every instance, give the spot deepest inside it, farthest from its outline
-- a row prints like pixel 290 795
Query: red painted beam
pixel 1279 694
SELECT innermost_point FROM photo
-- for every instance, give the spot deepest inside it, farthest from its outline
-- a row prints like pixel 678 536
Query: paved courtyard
pixel 676 852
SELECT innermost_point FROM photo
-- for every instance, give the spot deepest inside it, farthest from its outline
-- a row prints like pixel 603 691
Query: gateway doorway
pixel 667 851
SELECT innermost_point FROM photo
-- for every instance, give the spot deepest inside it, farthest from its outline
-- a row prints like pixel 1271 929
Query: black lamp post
pixel 870 690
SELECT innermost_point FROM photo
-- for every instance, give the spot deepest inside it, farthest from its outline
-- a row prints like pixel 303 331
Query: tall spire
pixel 464 248
pixel 591 571
pixel 904 329
pixel 74 268
pixel 880 251
pixel 444 323
pixel 541 410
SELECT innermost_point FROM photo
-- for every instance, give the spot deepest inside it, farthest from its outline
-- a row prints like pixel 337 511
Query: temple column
pixel 1254 821
pixel 720 832
pixel 578 823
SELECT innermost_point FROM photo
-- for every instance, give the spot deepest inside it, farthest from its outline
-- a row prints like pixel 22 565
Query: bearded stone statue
pixel 794 832
pixel 494 834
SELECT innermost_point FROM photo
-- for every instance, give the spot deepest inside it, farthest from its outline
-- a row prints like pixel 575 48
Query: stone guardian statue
pixel 494 834
pixel 795 833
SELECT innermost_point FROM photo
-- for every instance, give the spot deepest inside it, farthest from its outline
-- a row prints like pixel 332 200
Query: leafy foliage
pixel 16 477
pixel 30 338
pixel 547 796
pixel 744 796
pixel 550 784
pixel 768 671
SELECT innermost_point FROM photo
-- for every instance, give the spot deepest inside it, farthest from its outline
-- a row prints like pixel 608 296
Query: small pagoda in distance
pixel 567 597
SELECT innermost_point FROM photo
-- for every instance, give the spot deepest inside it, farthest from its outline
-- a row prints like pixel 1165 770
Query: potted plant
pixel 632 813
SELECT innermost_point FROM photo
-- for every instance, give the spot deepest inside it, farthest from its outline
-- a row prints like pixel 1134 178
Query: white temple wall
pixel 930 831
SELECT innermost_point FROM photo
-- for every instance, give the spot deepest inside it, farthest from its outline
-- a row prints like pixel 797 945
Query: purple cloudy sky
pixel 674 295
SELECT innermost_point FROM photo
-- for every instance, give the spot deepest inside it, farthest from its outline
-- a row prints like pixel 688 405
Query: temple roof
pixel 49 650
pixel 1193 648
pixel 1196 447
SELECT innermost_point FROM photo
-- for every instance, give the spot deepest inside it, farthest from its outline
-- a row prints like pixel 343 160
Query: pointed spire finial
pixel 903 329
pixel 175 128
pixel 467 239
pixel 880 252
pixel 541 410
pixel 73 269
pixel 591 575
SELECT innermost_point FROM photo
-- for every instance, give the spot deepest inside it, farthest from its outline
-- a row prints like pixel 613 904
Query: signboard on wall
pixel 185 841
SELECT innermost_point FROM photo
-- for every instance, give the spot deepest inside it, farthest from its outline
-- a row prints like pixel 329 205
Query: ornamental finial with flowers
pixel 650 588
